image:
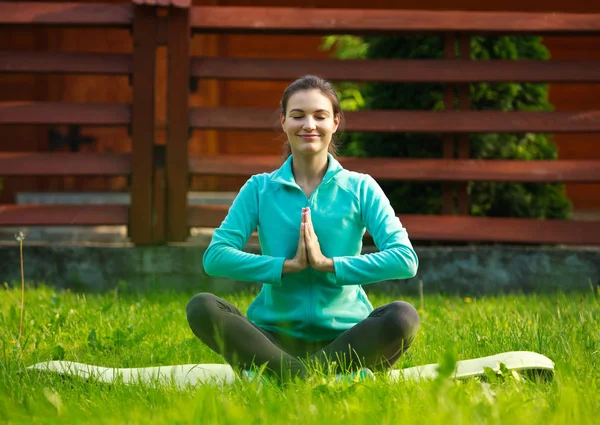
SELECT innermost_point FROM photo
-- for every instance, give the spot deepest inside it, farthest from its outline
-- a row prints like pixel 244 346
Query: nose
pixel 309 123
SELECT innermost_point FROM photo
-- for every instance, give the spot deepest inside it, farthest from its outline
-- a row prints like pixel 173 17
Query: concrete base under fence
pixel 471 270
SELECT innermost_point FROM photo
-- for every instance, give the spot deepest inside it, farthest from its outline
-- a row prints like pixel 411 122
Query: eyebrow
pixel 317 111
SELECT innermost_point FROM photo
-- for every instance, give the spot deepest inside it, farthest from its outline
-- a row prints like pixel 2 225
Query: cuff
pixel 338 266
pixel 277 271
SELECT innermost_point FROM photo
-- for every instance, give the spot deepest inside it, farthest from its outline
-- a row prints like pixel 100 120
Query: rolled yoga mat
pixel 220 374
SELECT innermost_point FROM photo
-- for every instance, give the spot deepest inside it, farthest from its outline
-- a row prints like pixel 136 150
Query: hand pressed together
pixel 309 250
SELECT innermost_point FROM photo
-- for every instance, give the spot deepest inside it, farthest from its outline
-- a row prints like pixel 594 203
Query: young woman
pixel 311 215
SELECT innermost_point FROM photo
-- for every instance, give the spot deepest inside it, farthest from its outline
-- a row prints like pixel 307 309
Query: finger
pixel 302 246
pixel 310 229
pixel 309 241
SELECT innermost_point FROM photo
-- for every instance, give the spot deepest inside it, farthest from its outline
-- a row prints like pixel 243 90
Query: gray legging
pixel 377 342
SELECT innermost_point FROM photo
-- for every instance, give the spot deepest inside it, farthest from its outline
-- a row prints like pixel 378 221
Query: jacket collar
pixel 285 175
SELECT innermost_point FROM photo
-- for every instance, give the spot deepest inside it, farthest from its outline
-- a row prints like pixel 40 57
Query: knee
pixel 403 320
pixel 199 306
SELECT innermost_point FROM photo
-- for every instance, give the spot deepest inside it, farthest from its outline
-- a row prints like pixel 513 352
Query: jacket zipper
pixel 310 314
pixel 311 311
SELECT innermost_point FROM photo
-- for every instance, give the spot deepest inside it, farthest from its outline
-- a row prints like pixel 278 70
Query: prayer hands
pixel 313 250
pixel 309 250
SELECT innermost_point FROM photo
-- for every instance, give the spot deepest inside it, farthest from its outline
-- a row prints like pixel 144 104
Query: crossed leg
pixel 377 342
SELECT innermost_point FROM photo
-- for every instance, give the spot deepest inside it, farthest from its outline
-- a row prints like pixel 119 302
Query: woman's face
pixel 309 122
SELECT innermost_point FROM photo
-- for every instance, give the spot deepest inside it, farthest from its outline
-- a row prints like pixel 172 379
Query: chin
pixel 311 152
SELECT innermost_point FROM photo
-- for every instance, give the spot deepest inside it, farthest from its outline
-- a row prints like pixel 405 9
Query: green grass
pixel 127 330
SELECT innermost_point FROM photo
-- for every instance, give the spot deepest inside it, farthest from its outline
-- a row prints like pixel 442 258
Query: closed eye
pixel 317 118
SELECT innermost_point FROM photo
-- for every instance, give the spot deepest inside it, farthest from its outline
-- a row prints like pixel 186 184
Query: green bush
pixel 486 198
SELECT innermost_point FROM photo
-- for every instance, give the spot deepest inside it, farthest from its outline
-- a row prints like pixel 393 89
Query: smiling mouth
pixel 309 136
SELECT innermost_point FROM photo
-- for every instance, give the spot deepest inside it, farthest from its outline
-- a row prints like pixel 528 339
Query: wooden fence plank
pixel 64 164
pixel 496 229
pixel 460 228
pixel 65 13
pixel 66 63
pixel 448 139
pixel 143 125
pixel 206 215
pixel 159 204
pixel 101 114
pixel 411 121
pixel 165 3
pixel 457 170
pixel 178 37
pixel 399 70
pixel 238 19
pixel 463 140
pixel 63 215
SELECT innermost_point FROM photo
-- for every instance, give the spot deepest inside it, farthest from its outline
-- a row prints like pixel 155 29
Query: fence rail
pixel 448 121
pixel 285 20
pixel 459 228
pixel 103 114
pixel 66 14
pixel 66 63
pixel 399 70
pixel 65 164
pixel 63 215
pixel 563 171
pixel 159 178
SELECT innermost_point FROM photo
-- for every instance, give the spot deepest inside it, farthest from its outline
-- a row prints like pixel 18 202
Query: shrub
pixel 486 198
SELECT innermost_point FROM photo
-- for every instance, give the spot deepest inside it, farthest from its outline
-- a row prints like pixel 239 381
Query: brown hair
pixel 312 82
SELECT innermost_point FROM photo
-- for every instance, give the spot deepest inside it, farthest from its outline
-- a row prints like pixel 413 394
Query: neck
pixel 309 169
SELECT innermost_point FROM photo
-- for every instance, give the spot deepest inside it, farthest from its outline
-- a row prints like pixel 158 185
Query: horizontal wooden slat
pixel 411 121
pixel 220 19
pixel 580 171
pixel 459 228
pixel 113 114
pixel 64 164
pixel 64 13
pixel 66 62
pixel 63 215
pixel 176 3
pixel 488 229
pixel 398 70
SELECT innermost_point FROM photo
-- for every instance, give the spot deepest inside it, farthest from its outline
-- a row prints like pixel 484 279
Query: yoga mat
pixel 222 374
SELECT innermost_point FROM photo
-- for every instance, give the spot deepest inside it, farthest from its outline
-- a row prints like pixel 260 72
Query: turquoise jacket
pixel 311 305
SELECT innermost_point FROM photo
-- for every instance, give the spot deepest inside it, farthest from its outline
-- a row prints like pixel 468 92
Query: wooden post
pixel 448 139
pixel 141 212
pixel 178 125
pixel 464 103
pixel 159 189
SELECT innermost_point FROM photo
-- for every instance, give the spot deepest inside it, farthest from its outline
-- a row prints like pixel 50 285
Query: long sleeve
pixel 396 258
pixel 224 256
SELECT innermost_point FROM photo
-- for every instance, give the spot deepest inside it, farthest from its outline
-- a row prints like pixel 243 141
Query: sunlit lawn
pixel 130 330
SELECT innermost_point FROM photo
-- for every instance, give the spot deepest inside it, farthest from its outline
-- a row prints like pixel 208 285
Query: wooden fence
pixel 160 176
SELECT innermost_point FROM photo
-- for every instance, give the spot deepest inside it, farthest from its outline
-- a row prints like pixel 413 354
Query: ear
pixel 282 120
pixel 336 122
